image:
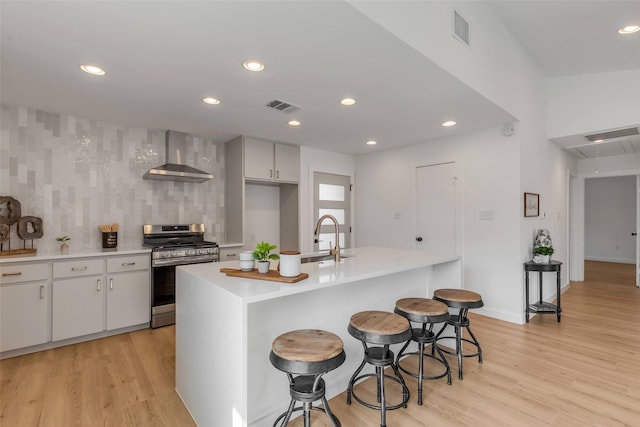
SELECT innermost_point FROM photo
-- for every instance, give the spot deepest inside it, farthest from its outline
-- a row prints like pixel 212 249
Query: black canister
pixel 110 239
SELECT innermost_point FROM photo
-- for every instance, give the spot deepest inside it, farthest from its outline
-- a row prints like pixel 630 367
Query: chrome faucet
pixel 336 250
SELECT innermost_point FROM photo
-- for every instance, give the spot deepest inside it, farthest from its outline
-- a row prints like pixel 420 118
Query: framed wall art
pixel 531 204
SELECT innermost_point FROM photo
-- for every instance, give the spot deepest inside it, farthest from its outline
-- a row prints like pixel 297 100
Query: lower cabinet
pixel 24 314
pixel 128 299
pixel 116 298
pixel 78 307
pixel 55 300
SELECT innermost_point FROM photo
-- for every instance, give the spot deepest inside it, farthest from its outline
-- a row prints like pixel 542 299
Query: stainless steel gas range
pixel 173 245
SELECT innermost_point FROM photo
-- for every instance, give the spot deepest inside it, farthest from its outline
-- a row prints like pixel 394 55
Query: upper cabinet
pixel 262 166
pixel 271 161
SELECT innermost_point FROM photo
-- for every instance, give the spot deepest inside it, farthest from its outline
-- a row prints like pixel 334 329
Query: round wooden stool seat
pixel 379 327
pixel 458 298
pixel 307 345
pixel 423 310
pixel 307 352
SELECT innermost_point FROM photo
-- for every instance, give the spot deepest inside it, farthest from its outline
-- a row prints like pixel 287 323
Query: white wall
pixel 498 68
pixel 314 160
pixel 489 181
pixel 610 218
pixel 593 102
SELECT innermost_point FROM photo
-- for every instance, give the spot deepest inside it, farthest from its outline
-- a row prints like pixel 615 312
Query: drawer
pixel 78 267
pixel 24 272
pixel 230 254
pixel 128 263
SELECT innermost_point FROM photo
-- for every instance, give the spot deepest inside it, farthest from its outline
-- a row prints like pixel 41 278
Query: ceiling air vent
pixel 460 28
pixel 612 134
pixel 282 106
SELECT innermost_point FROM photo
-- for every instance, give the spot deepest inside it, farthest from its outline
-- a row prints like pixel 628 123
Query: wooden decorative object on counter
pixel 272 275
pixel 28 228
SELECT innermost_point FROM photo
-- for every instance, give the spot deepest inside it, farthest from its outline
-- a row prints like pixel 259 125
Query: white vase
pixel 64 249
pixel 542 259
pixel 263 266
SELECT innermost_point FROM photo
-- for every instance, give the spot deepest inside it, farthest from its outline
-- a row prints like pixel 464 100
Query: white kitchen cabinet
pixel 25 294
pixel 128 291
pixel 270 161
pixel 95 302
pixel 78 302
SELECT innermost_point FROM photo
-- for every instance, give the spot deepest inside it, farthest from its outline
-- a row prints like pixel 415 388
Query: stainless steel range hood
pixel 174 169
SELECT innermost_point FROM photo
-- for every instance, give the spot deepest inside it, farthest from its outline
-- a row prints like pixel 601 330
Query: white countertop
pixel 363 263
pixel 56 255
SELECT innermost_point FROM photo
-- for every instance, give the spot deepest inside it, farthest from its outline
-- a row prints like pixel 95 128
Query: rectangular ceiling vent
pixel 282 106
pixel 612 134
pixel 460 28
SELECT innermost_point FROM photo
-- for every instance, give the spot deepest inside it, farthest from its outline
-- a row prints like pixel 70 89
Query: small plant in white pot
pixel 262 254
pixel 542 254
pixel 64 248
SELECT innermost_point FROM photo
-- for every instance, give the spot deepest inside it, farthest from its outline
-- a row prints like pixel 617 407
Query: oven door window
pixel 164 285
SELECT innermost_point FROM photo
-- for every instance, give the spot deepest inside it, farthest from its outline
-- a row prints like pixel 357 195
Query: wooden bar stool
pixel 308 353
pixel 427 312
pixel 381 329
pixel 462 300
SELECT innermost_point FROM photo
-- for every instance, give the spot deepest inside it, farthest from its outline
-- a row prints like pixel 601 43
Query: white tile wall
pixel 77 173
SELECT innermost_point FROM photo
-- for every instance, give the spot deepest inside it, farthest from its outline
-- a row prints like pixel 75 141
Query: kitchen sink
pixel 320 257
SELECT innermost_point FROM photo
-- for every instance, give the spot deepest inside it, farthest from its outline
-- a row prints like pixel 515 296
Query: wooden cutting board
pixel 272 275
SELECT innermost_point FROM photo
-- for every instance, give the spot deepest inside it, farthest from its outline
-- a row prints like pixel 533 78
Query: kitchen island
pixel 225 325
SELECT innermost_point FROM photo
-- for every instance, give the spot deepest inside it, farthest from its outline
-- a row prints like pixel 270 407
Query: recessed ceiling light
pixel 371 142
pixel 92 69
pixel 348 101
pixel 629 29
pixel 210 100
pixel 449 123
pixel 293 123
pixel 597 141
pixel 252 65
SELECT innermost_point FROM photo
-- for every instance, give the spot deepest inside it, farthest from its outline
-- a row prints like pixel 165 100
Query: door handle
pixel 111 284
pixel 99 285
pixel 419 239
pixel 41 292
pixel 634 234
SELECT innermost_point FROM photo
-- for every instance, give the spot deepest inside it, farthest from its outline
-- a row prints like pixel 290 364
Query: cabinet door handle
pixel 84 267
pixel 232 254
pixel 128 264
pixel 19 273
pixel 41 292
pixel 277 174
pixel 99 285
pixel 111 284
pixel 270 173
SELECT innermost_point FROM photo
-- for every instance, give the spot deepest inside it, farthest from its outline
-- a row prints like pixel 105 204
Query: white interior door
pixel 436 208
pixel 637 229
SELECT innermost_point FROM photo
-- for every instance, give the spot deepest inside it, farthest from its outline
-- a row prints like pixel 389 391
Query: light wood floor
pixel 582 371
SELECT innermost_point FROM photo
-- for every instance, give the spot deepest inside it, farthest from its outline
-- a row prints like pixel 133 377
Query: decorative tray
pixel 272 275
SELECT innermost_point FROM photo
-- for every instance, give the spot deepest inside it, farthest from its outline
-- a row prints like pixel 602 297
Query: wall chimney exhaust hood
pixel 174 169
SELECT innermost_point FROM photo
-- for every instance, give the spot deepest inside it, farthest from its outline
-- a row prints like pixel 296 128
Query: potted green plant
pixel 542 254
pixel 262 254
pixel 64 248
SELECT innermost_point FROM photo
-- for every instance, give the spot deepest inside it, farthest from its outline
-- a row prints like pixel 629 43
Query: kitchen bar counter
pixel 225 325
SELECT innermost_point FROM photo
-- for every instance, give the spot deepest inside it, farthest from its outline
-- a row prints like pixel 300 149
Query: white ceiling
pixel 162 58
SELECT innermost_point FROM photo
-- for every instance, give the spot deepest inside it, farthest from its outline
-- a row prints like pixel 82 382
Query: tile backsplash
pixel 77 173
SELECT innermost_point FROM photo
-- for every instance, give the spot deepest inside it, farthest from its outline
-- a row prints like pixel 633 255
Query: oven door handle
pixel 183 261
